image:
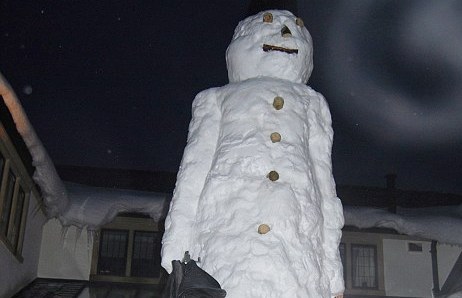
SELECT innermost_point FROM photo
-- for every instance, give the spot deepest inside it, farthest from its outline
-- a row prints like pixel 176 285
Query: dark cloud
pixel 392 76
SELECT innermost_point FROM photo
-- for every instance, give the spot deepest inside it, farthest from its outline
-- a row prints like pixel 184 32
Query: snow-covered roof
pixel 45 175
pixel 437 223
pixel 74 204
pixel 91 207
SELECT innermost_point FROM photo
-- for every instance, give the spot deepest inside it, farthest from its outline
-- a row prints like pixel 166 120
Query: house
pixel 114 240
pixel 395 243
pixel 66 231
pixel 399 243
pixel 21 210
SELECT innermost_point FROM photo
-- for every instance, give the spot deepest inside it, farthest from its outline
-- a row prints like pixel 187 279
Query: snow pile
pixel 45 175
pixel 91 207
pixel 437 223
pixel 255 198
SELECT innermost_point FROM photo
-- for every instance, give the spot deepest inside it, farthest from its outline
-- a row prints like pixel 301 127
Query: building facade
pixel 22 215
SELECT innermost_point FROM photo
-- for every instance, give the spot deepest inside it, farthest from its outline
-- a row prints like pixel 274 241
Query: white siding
pixel 407 274
pixel 447 256
pixel 65 255
pixel 13 274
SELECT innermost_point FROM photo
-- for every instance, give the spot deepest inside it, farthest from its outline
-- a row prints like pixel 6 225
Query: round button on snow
pixel 268 17
pixel 263 229
pixel 275 137
pixel 278 102
pixel 273 176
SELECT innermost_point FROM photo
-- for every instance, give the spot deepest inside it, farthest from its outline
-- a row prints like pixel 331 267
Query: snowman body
pixel 255 197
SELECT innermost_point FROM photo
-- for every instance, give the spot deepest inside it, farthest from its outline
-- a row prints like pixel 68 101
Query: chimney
pixel 391 192
pixel 391 181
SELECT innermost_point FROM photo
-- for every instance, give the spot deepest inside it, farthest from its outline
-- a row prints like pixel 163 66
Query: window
pixel 342 249
pixel 13 201
pixel 113 252
pixel 128 251
pixel 362 259
pixel 364 266
pixel 15 229
pixel 7 203
pixel 146 248
pixel 414 247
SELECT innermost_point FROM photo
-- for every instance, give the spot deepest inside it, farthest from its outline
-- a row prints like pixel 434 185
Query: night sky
pixel 110 83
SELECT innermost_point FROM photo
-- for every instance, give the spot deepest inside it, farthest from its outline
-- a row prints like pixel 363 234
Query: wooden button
pixel 278 102
pixel 268 17
pixel 273 176
pixel 275 137
pixel 263 229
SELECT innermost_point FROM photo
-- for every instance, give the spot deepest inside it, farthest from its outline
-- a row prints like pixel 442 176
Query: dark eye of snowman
pixel 268 17
pixel 299 22
pixel 285 32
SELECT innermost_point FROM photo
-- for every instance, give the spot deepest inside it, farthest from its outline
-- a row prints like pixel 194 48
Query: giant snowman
pixel 255 199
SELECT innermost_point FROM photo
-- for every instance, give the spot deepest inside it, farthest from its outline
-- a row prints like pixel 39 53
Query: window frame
pixel 156 246
pixel 132 225
pixel 13 236
pixel 417 244
pixel 376 278
pixel 126 244
pixel 350 239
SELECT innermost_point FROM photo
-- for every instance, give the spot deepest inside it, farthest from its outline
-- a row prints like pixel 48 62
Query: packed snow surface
pixel 443 224
pixel 260 233
pixel 91 207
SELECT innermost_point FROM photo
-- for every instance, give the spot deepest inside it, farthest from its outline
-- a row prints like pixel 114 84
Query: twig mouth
pixel 268 48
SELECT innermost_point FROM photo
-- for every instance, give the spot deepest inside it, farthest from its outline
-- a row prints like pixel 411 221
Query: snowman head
pixel 272 43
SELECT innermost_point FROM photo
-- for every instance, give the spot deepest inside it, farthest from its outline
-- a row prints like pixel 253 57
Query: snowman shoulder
pixel 316 99
pixel 311 93
pixel 318 107
pixel 205 96
pixel 206 100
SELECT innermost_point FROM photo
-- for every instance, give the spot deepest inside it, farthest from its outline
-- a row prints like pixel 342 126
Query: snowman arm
pixel 197 159
pixel 320 146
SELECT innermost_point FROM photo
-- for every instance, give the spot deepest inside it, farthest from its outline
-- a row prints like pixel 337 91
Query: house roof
pixel 52 188
pixel 91 207
pixel 378 197
pixel 158 181
pixel 7 121
pixel 442 224
pixel 98 195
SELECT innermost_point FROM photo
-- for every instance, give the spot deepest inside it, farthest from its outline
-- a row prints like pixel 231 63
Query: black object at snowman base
pixel 187 280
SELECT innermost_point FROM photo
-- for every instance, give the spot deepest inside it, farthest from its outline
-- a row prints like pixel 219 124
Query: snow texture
pixel 45 175
pixel 91 207
pixel 442 224
pixel 223 193
pixel 456 295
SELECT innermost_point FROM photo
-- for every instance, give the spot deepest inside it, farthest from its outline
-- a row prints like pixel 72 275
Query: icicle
pixel 64 232
pixel 38 207
pixel 78 233
pixel 90 238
